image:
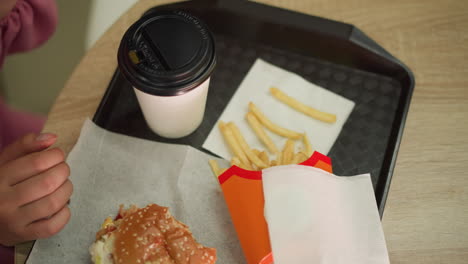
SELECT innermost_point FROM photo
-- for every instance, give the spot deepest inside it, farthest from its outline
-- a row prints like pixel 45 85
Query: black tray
pixel 334 55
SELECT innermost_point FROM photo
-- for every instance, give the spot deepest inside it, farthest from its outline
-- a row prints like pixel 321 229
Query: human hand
pixel 34 189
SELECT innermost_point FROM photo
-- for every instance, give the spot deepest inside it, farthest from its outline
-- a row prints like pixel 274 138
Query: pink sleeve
pixel 29 24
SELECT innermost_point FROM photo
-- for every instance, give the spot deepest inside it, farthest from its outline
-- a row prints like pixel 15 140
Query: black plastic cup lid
pixel 167 53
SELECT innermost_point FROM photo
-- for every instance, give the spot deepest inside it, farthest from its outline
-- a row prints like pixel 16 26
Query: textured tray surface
pixel 361 146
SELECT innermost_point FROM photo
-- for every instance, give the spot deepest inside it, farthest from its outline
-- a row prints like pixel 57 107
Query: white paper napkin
pixel 108 169
pixel 255 87
pixel 316 217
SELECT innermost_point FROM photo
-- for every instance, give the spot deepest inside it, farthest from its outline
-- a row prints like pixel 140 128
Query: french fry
pixel 299 158
pixel 295 159
pixel 245 147
pixel 295 104
pixel 236 161
pixel 272 126
pixel 288 152
pixel 233 144
pixel 303 158
pixel 273 163
pixel 304 155
pixel 279 158
pixel 214 167
pixel 221 171
pixel 261 134
pixel 308 147
pixel 256 152
pixel 264 157
pixel 255 168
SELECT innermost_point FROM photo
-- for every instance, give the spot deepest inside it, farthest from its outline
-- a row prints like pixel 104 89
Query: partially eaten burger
pixel 149 235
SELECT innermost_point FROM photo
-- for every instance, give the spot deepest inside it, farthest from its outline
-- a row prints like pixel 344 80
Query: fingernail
pixel 45 136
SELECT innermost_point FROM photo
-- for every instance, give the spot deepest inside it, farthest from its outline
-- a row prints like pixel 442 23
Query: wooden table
pixel 426 216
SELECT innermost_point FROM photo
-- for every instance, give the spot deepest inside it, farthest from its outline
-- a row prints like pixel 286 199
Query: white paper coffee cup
pixel 168 57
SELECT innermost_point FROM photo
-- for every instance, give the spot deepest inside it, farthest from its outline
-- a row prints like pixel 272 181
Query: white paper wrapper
pixel 316 217
pixel 255 88
pixel 108 169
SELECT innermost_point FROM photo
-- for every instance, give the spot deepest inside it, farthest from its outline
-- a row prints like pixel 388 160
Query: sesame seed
pixel 206 254
pixel 211 257
pixel 178 255
pixel 134 234
pixel 185 239
pixel 192 253
pixel 138 261
pixel 122 242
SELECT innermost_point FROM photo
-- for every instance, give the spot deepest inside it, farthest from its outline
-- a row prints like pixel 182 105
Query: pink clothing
pixel 29 24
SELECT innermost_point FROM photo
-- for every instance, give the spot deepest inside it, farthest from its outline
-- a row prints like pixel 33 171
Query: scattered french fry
pixel 310 111
pixel 214 167
pixel 245 147
pixel 288 152
pixel 254 159
pixel 272 126
pixel 233 144
pixel 264 157
pixel 308 147
pixel 260 132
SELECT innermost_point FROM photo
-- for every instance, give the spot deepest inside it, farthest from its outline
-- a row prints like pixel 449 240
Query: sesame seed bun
pixel 149 235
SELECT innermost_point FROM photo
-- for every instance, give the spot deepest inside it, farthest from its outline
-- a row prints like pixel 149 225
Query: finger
pixel 40 185
pixel 27 144
pixel 48 205
pixel 32 164
pixel 48 227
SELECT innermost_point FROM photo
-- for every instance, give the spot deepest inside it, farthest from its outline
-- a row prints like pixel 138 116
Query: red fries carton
pixel 243 192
